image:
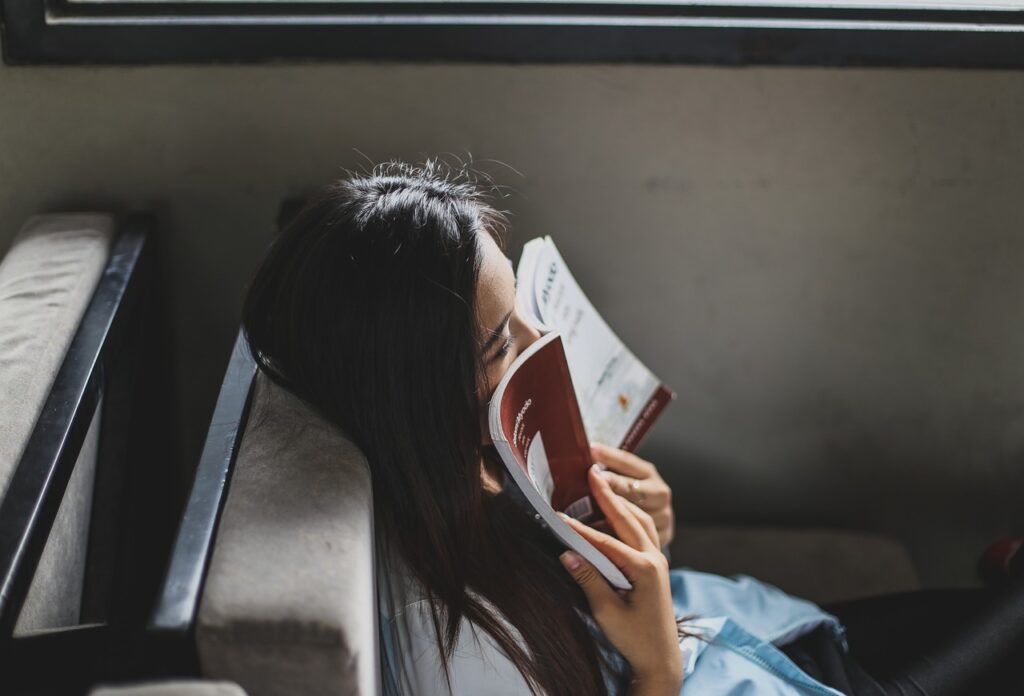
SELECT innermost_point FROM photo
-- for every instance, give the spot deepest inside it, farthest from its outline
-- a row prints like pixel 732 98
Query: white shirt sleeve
pixel 478 665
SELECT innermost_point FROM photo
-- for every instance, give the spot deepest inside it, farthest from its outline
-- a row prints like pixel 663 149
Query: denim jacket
pixel 732 651
pixel 741 621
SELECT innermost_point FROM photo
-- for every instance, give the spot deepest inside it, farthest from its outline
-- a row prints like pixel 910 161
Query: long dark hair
pixel 365 306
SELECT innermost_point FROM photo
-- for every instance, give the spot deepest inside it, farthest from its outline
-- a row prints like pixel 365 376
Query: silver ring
pixel 638 495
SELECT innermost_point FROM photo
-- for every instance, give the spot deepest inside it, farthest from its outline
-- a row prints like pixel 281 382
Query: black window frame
pixel 67 32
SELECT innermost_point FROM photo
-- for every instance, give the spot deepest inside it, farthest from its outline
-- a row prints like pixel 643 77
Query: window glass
pixel 808 4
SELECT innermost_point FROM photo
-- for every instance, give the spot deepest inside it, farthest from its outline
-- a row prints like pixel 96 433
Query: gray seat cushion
pixel 47 280
pixel 172 688
pixel 54 598
pixel 289 603
pixel 820 565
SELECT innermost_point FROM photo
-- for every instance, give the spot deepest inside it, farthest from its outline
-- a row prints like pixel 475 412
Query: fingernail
pixel 567 519
pixel 597 446
pixel 600 467
pixel 571 560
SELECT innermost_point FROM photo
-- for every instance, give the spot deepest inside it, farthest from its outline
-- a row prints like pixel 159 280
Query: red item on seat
pixel 1001 561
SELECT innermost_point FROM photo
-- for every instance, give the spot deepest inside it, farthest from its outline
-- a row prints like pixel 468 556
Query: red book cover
pixel 537 429
pixel 540 402
pixel 652 409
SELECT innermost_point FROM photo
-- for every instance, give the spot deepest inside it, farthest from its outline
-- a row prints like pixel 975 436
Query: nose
pixel 526 333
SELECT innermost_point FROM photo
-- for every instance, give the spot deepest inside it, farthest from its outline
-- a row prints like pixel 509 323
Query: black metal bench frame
pixel 119 356
pixel 172 626
pixel 170 640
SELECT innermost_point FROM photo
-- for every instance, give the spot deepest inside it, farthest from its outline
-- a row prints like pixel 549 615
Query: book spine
pixel 650 412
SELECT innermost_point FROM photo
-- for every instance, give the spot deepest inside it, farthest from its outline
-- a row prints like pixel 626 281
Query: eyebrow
pixel 495 333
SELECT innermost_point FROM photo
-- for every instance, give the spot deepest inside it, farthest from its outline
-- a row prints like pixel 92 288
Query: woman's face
pixel 504 334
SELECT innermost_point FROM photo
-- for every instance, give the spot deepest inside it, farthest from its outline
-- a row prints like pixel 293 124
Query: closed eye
pixel 505 347
pixel 495 333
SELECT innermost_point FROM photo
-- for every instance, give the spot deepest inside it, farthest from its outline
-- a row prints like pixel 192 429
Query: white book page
pixel 611 384
pixel 525 273
pixel 538 468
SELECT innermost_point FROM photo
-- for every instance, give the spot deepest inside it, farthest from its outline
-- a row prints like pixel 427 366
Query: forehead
pixel 496 291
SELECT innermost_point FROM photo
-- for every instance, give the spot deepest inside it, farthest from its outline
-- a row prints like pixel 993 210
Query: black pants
pixel 926 643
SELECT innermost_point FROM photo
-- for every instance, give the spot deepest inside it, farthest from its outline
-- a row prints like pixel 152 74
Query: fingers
pixel 623 557
pixel 633 478
pixel 646 521
pixel 650 493
pixel 634 564
pixel 665 523
pixel 620 484
pixel 620 461
pixel 600 595
pixel 622 519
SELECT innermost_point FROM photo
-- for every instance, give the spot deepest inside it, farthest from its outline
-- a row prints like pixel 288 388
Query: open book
pixel 577 384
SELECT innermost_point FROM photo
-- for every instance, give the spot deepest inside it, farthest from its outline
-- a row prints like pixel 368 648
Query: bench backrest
pixel 75 293
pixel 273 571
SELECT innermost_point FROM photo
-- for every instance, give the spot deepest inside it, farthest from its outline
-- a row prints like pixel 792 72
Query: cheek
pixel 493 374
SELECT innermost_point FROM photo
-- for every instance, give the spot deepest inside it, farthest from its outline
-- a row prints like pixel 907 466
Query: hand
pixel 638 481
pixel 641 622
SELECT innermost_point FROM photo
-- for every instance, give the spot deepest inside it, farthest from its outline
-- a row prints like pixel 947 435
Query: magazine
pixel 619 397
pixel 577 384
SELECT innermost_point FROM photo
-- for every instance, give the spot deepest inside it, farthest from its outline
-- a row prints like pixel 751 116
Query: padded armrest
pixel 289 602
pixel 46 281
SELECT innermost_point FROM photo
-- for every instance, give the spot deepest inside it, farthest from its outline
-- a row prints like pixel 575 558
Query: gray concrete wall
pixel 824 264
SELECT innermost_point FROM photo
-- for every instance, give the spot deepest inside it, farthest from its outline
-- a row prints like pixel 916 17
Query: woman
pixel 389 306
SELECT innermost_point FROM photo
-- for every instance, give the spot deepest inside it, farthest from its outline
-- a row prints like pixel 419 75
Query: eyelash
pixel 506 346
